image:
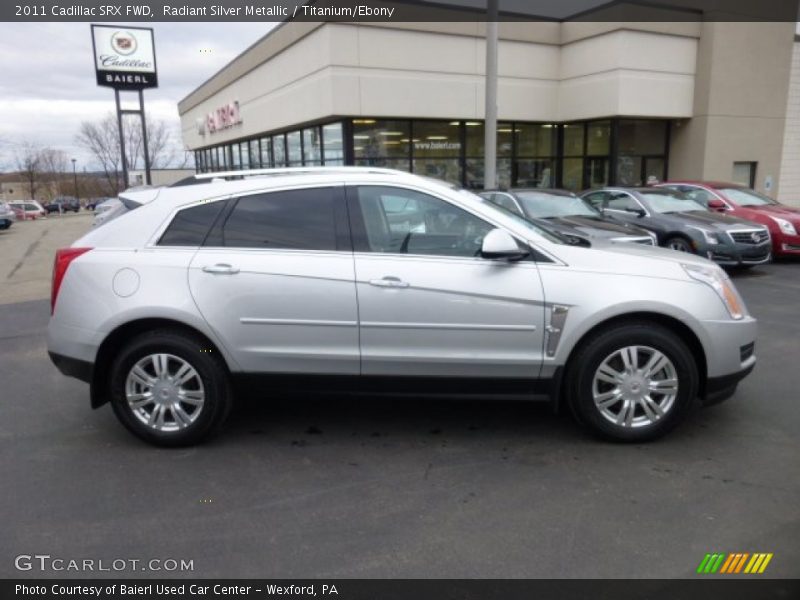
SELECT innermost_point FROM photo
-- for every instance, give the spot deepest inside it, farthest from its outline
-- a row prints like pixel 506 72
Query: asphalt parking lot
pixel 342 487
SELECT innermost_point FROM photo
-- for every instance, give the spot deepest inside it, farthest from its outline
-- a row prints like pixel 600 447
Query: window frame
pixel 174 215
pixel 342 235
pixel 359 234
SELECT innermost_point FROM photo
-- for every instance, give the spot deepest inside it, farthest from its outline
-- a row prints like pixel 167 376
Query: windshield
pixel 744 197
pixel 541 205
pixel 547 233
pixel 669 203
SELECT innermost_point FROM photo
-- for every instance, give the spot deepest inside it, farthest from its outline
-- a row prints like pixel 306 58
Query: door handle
pixel 389 282
pixel 221 269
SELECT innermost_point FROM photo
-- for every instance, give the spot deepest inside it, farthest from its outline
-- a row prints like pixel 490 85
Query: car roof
pixel 622 188
pixel 551 191
pixel 710 184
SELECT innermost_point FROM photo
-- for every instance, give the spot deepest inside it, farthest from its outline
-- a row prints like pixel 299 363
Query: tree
pixel 29 164
pixel 54 167
pixel 101 140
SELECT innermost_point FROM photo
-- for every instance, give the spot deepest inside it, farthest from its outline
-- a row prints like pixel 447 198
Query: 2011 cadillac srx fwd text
pixel 372 280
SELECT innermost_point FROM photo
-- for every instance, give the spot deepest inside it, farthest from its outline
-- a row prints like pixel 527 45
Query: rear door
pixel 429 305
pixel 275 281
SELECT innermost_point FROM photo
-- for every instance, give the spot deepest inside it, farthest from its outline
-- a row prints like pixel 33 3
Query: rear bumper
pixel 73 367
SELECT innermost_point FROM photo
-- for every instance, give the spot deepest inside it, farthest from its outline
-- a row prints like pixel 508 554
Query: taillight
pixel 63 258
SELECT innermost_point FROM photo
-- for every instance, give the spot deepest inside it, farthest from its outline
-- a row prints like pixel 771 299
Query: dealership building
pixel 580 104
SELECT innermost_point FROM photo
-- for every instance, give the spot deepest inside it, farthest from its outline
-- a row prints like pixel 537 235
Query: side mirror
pixel 499 244
pixel 716 204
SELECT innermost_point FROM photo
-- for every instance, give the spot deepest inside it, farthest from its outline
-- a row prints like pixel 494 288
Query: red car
pixel 782 221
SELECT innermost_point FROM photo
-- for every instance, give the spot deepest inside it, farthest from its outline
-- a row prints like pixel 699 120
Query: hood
pixel 596 227
pixel 632 259
pixel 710 221
pixel 774 210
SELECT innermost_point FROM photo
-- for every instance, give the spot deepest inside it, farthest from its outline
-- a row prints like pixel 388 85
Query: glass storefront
pixel 642 150
pixel 294 149
pixel 333 144
pixel 382 143
pixel 312 147
pixel 436 150
pixel 574 156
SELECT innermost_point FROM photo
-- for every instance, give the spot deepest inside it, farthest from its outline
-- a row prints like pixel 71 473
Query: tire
pixel 679 244
pixel 186 413
pixel 605 406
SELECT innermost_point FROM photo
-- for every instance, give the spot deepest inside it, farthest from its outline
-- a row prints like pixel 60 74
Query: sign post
pixel 125 60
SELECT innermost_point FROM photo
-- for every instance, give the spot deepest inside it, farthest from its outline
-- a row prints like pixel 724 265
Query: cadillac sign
pixel 124 57
pixel 224 117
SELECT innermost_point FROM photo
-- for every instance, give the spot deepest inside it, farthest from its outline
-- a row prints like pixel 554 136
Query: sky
pixel 48 86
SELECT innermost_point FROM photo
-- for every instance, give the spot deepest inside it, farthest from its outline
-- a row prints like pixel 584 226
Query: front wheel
pixel 169 389
pixel 679 244
pixel 633 382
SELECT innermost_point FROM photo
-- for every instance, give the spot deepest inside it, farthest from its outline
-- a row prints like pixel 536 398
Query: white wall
pixel 342 69
pixel 789 190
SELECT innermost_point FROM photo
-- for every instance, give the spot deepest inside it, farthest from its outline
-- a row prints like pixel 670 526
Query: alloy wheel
pixel 635 386
pixel 164 392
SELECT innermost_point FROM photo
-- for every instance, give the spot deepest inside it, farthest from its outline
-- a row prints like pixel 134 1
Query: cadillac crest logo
pixel 124 42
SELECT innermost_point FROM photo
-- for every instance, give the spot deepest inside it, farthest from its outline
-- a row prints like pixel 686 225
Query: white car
pixel 377 280
pixel 7 216
pixel 28 209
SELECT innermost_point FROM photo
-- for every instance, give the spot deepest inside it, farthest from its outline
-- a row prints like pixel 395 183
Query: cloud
pixel 48 86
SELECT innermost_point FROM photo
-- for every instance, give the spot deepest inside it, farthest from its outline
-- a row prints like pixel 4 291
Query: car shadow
pixel 305 419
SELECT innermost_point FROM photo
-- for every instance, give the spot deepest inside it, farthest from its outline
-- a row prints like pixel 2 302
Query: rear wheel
pixel 679 244
pixel 633 382
pixel 169 389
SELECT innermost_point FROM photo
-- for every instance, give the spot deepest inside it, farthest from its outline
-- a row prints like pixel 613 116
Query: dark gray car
pixel 567 214
pixel 682 224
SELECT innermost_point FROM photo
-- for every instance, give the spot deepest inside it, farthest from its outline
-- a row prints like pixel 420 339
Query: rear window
pixel 293 219
pixel 191 225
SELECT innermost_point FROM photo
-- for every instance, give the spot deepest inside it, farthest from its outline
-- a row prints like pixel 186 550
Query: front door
pixel 429 305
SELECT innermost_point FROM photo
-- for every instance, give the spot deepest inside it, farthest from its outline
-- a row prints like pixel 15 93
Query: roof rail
pixel 295 170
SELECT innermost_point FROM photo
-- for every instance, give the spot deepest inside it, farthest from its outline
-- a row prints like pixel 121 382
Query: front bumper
pixel 730 356
pixel 719 389
pixel 785 245
pixel 734 255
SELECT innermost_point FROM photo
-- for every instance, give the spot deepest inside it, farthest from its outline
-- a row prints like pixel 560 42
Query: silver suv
pixel 381 281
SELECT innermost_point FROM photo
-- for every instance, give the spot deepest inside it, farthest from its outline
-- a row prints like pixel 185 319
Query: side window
pixel 504 201
pixel 293 219
pixel 596 199
pixel 426 225
pixel 622 202
pixel 190 225
pixel 699 195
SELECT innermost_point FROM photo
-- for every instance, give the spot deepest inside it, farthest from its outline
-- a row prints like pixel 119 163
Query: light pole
pixel 75 181
pixel 490 121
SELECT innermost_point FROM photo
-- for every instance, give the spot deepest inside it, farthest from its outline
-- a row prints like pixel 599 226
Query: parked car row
pixel 731 225
pixel 63 204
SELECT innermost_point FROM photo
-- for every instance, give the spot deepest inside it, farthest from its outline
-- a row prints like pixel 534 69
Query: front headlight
pixel 784 225
pixel 709 236
pixel 714 277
